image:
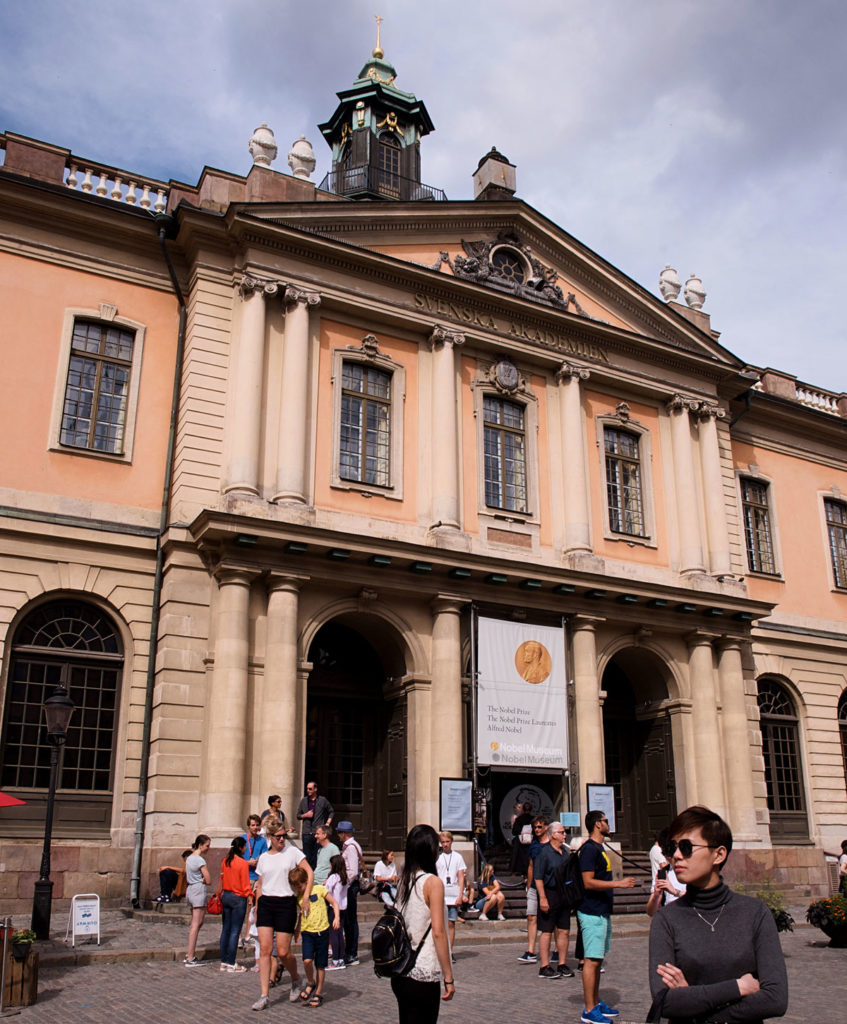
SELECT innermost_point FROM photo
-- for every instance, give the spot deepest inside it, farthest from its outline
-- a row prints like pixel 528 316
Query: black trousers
pixel 418 1002
pixel 350 921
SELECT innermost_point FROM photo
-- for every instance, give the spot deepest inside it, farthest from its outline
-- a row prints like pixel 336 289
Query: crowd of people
pixel 714 953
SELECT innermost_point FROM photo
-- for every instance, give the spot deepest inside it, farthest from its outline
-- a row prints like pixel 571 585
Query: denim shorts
pixel 452 912
pixel 316 947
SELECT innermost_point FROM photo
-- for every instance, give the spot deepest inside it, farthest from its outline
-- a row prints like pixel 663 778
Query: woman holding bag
pixel 235 891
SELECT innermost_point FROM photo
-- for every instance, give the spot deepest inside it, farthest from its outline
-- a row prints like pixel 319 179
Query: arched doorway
pixel 638 746
pixel 356 732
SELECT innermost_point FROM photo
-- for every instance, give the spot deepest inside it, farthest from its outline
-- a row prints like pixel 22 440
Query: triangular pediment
pixel 507 249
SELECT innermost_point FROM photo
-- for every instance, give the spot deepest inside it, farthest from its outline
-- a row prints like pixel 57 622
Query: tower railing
pixel 376 183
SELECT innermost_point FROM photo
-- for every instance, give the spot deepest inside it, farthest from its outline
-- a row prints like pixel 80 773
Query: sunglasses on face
pixel 685 847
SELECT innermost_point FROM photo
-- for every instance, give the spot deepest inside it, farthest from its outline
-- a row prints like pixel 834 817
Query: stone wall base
pixel 799 872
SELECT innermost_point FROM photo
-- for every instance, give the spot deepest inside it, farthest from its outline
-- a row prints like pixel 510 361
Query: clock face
pixel 507 376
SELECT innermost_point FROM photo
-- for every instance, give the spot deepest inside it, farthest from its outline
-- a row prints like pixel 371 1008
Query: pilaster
pixel 576 489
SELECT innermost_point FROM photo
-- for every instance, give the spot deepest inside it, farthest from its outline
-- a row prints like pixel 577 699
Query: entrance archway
pixel 638 746
pixel 356 730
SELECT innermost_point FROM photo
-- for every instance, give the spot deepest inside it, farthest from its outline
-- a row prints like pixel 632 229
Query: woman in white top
pixel 385 878
pixel 197 878
pixel 420 899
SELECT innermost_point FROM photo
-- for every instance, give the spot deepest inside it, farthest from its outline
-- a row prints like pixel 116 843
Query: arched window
pixel 389 165
pixel 783 765
pixel 75 644
pixel 842 729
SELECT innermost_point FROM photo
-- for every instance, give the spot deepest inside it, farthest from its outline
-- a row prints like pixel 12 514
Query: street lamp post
pixel 58 710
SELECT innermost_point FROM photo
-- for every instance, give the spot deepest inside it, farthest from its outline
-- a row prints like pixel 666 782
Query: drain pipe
pixel 167 228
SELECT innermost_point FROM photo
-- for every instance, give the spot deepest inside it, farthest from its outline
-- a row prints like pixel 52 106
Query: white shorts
pixel 532 902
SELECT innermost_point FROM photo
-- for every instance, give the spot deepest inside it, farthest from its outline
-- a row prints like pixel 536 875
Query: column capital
pixel 442 336
pixel 292 296
pixel 275 581
pixel 227 574
pixel 585 622
pixel 449 603
pixel 680 403
pixel 708 410
pixel 700 638
pixel 250 285
pixel 571 371
pixel 730 643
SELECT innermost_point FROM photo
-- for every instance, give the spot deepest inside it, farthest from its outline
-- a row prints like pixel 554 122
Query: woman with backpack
pixel 420 899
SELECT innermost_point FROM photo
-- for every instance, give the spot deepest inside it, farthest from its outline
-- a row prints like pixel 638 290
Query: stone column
pixel 276 750
pixel 448 734
pixel 736 734
pixel 245 426
pixel 589 712
pixel 576 489
pixel 710 460
pixel 445 434
pixel 708 754
pixel 690 544
pixel 224 748
pixel 294 417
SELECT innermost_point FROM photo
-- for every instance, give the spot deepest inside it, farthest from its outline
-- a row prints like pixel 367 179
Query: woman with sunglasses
pixel 714 954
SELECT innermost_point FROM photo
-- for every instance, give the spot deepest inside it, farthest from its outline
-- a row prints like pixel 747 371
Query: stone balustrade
pixel 817 399
pixel 120 186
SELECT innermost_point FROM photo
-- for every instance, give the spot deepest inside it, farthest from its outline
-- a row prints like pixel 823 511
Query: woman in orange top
pixel 235 886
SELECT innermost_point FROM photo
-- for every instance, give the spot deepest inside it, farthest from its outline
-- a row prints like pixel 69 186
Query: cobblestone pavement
pixel 491 987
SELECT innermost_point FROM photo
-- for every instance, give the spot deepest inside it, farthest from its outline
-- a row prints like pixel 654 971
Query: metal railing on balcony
pixel 377 183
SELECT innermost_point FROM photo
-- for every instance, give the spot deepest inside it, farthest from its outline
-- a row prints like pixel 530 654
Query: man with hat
pixel 353 862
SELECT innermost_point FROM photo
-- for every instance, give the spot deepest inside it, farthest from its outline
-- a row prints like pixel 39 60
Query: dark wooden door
pixel 639 764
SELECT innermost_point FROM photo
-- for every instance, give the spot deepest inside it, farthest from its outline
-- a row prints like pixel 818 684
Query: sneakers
pixel 528 958
pixel 236 969
pixel 483 917
pixel 336 965
pixel 262 1004
pixel 565 971
pixel 351 961
pixel 594 1016
pixel 551 973
pixel 193 962
pixel 554 956
pixel 297 987
pixel 609 1012
pixel 163 899
pixel 500 917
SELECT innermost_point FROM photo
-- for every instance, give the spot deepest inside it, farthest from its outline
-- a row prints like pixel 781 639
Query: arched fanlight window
pixel 73 643
pixel 842 729
pixel 508 264
pixel 783 764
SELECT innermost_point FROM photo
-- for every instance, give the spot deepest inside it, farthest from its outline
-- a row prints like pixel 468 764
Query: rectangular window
pixel 757 526
pixel 97 390
pixel 505 454
pixel 623 482
pixel 836 525
pixel 365 440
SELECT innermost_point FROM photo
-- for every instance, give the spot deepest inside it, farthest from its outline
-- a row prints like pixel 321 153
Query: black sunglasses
pixel 685 847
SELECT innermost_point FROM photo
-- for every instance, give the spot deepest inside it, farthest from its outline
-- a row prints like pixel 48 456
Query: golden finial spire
pixel 377 50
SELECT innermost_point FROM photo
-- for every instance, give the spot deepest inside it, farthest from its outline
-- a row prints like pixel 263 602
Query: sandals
pixel 315 1001
pixel 277 976
pixel 306 993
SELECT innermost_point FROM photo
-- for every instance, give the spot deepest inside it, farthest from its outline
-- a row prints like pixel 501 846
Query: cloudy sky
pixel 708 135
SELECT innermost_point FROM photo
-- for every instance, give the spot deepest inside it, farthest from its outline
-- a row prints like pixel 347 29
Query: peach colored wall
pixel 35 297
pixel 595 405
pixel 799 533
pixel 428 254
pixel 334 336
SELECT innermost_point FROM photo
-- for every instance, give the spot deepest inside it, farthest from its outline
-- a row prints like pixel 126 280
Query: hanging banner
pixel 522 706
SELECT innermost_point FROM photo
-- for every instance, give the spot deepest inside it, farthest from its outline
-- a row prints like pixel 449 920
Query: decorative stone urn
pixel 669 283
pixel 695 293
pixel 262 146
pixel 301 158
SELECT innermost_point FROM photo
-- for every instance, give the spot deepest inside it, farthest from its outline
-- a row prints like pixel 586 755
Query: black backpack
pixel 391 946
pixel 570 883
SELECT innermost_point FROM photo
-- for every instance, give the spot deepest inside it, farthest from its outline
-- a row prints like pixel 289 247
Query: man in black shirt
pixel 595 914
pixel 553 912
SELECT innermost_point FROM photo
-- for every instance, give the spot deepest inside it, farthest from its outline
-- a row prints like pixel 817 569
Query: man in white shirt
pixel 451 870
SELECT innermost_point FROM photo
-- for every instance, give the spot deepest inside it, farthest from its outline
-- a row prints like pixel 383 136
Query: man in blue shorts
pixel 595 914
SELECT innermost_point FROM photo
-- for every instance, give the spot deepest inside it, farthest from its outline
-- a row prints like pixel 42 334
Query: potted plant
pixel 830 915
pixel 22 941
pixel 774 900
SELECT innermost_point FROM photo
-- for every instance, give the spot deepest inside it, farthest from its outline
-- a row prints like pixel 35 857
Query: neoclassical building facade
pixel 283 443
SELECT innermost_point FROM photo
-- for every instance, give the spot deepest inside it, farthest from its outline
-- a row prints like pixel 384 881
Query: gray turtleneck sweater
pixel 744 941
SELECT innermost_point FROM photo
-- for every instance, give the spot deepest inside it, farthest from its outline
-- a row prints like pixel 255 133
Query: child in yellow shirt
pixel 314 932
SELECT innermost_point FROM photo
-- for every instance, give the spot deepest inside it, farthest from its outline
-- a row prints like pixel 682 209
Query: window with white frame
pixel 97 382
pixel 367 420
pixel 756 516
pixel 624 498
pixel 504 443
pixel 836 527
pixel 365 447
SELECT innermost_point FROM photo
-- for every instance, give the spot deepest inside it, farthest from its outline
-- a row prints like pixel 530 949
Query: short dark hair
pixel 253 817
pixel 273 798
pixel 541 819
pixel 714 829
pixel 592 818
